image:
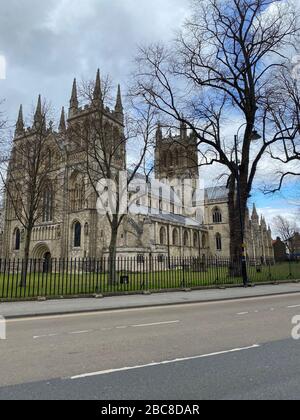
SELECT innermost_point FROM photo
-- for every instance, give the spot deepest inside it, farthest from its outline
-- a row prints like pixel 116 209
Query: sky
pixel 47 44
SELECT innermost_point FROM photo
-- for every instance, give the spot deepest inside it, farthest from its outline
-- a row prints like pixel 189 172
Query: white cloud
pixel 270 213
pixel 46 44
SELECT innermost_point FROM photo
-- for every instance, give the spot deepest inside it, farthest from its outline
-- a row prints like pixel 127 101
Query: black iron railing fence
pixel 60 277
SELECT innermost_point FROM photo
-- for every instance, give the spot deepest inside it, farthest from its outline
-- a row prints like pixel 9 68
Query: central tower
pixel 176 164
pixel 176 157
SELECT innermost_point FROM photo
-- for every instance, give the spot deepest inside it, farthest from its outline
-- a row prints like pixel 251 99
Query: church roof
pixel 177 218
pixel 217 193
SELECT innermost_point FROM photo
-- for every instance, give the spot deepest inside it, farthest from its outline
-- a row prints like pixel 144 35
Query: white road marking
pixel 167 362
pixel 243 313
pixel 122 327
pixel 294 307
pixel 44 336
pixel 155 324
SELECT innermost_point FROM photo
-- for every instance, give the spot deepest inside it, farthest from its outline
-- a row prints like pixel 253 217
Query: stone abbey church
pixel 71 227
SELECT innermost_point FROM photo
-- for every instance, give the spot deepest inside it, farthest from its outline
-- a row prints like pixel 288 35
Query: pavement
pixel 69 306
pixel 229 349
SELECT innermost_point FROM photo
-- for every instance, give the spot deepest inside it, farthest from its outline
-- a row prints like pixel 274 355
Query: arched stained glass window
pixel 77 235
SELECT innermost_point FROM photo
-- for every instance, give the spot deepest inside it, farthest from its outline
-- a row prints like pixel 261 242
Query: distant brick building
pixel 294 244
pixel 280 249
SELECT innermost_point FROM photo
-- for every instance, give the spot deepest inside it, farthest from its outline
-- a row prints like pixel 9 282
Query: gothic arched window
pixel 203 241
pixel 164 160
pixel 160 204
pixel 79 195
pixel 163 236
pixel 77 192
pixel 17 238
pixel 172 201
pixel 77 235
pixel 176 157
pixel 186 238
pixel 48 204
pixel 175 237
pixel 196 240
pixel 217 215
pixel 218 242
pixel 194 198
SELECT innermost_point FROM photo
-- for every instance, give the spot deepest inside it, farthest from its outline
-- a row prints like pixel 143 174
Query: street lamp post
pixel 254 136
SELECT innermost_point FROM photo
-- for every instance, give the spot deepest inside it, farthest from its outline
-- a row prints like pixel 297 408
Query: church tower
pixel 176 157
pixel 176 164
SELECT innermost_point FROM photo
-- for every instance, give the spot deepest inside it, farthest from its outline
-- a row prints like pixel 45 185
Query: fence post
pixel 290 268
pixel 217 269
pixel 270 272
pixel 183 273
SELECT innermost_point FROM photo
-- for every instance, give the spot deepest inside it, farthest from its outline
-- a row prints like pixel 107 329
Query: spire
pixel 183 130
pixel 62 125
pixel 20 122
pixel 74 99
pixel 39 118
pixel 159 135
pixel 38 112
pixel 119 106
pixel 247 214
pixel 97 96
pixel 254 213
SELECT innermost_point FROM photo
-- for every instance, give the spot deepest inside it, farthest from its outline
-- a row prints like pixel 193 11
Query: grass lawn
pixel 55 285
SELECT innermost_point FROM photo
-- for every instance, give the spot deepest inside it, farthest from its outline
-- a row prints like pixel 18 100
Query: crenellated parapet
pixel 96 104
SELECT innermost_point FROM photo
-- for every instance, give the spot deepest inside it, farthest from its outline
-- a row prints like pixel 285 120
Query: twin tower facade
pixel 71 227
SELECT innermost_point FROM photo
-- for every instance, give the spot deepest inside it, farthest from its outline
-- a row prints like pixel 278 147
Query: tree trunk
pixel 112 272
pixel 26 258
pixel 237 211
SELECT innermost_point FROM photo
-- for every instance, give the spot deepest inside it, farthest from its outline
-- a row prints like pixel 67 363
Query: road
pixel 228 350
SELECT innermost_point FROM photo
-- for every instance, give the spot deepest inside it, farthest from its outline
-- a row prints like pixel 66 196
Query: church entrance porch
pixel 42 258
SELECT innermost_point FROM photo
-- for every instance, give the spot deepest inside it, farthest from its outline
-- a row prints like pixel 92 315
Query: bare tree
pixel 287 152
pixel 3 138
pixel 103 140
pixel 28 177
pixel 2 121
pixel 222 66
pixel 286 230
pixel 3 159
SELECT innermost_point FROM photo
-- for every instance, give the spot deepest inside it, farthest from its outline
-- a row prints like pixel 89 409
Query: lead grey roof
pixel 176 218
pixel 217 193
